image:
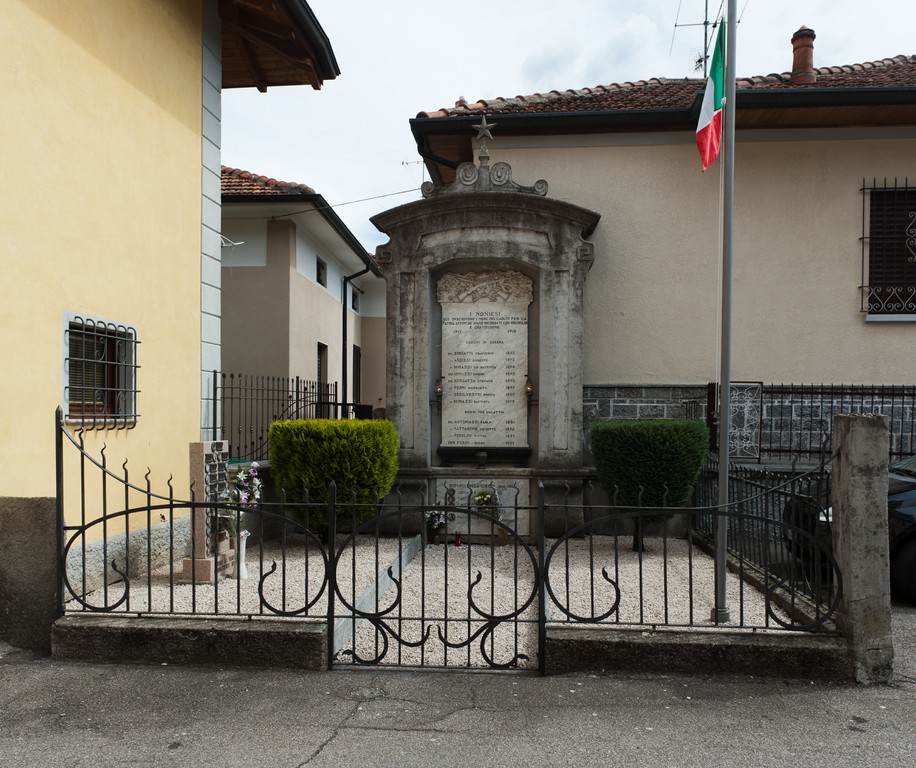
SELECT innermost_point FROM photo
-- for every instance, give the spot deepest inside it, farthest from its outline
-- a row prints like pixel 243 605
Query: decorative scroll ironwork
pixel 744 432
pixel 911 237
pixel 889 299
pixel 421 619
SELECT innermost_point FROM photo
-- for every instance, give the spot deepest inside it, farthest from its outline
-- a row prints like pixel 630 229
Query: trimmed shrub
pixel 649 453
pixel 358 456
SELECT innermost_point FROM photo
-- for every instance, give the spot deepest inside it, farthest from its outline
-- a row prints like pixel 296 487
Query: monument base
pixel 201 570
pixel 482 456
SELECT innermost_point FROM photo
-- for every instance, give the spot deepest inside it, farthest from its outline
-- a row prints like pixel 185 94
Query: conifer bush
pixel 649 453
pixel 359 456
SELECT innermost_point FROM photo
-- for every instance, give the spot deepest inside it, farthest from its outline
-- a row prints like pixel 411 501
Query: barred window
pixel 889 247
pixel 100 372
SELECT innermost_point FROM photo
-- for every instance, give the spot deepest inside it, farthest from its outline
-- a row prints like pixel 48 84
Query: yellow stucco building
pixel 111 247
pixel 111 256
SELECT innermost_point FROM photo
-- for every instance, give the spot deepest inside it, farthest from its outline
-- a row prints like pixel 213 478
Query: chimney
pixel 803 57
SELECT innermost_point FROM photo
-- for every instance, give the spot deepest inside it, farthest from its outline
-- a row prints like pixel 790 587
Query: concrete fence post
pixel 28 571
pixel 860 542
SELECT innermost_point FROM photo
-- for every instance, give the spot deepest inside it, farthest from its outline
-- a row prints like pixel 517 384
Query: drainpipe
pixel 343 353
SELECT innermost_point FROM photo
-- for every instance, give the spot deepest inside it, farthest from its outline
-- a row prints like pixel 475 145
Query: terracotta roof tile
pixel 662 93
pixel 898 72
pixel 243 183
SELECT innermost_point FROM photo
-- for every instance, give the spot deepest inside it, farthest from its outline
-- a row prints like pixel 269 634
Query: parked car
pixel 808 515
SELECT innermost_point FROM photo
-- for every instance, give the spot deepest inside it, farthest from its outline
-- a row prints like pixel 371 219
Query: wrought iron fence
pixel 435 584
pixel 785 422
pixel 655 566
pixel 778 524
pixel 243 406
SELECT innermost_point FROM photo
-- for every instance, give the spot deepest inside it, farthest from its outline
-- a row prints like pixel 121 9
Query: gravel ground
pixel 434 619
pixel 286 589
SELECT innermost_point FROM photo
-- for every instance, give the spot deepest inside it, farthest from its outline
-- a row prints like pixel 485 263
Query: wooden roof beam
pixel 251 62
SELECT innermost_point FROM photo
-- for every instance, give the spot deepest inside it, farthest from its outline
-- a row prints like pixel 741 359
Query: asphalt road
pixel 57 713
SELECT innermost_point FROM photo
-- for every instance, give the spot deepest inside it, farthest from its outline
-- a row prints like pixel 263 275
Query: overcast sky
pixel 351 140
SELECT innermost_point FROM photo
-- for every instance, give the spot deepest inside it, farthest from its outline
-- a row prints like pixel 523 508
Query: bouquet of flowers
pixel 435 519
pixel 245 486
pixel 244 490
pixel 487 500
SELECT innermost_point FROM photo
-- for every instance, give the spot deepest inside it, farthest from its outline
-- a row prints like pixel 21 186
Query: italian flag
pixel 709 127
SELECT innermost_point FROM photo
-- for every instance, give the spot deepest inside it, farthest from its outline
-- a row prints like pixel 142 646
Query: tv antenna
pixel 702 59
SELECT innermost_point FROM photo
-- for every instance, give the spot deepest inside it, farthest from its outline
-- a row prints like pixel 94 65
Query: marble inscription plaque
pixel 513 509
pixel 484 358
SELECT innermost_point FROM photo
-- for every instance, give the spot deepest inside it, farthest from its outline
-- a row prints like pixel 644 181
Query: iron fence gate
pixel 465 592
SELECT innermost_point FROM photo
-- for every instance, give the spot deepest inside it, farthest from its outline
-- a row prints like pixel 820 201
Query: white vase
pixel 241 569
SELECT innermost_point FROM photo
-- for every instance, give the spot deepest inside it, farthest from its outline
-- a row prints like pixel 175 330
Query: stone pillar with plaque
pixel 212 555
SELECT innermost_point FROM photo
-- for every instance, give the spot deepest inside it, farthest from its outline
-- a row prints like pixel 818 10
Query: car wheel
pixel 808 540
pixel 800 516
pixel 903 572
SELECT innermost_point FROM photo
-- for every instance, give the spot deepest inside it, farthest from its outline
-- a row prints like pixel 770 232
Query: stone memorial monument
pixel 485 285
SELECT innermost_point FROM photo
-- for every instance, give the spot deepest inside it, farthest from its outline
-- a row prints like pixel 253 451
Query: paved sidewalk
pixel 55 713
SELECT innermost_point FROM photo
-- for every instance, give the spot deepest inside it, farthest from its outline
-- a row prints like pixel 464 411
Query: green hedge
pixel 649 453
pixel 357 455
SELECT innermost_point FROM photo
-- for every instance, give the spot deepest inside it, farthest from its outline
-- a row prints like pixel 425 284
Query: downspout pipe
pixel 343 353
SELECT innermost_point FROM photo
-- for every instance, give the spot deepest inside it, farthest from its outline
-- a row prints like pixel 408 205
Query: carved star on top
pixel 484 128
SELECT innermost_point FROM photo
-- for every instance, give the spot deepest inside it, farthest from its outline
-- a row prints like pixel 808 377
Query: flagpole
pixel 720 611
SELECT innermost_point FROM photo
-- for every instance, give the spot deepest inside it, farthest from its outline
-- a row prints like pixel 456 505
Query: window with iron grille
pixel 100 372
pixel 889 249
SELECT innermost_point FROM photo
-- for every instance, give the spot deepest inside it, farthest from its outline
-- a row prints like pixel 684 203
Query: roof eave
pixel 679 118
pixel 778 98
pixel 518 121
pixel 320 205
pixel 673 117
pixel 327 61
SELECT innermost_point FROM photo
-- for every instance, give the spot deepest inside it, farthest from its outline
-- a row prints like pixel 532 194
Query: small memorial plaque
pixel 512 510
pixel 210 481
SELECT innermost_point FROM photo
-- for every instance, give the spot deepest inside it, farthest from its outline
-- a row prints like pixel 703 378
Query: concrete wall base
pixel 224 642
pixel 269 643
pixel 575 649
